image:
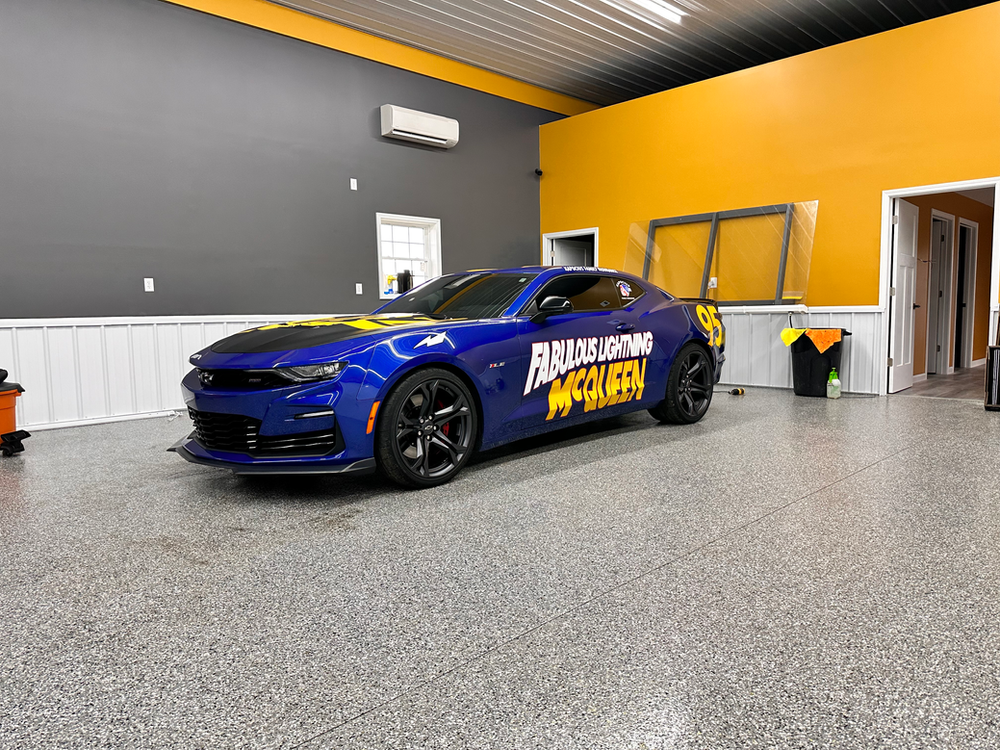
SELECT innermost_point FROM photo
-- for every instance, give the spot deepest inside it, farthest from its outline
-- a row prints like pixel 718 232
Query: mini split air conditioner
pixel 418 127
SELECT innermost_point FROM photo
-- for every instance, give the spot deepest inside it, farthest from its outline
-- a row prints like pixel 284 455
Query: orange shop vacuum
pixel 10 437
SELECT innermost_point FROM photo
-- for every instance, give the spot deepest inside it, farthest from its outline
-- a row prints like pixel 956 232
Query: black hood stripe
pixel 304 334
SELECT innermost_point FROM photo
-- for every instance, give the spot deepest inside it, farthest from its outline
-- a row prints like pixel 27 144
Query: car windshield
pixel 470 295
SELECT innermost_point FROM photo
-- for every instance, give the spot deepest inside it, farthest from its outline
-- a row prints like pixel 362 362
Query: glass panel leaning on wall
pixel 747 256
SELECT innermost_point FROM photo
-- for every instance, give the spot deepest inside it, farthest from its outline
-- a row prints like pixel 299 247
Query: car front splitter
pixel 364 466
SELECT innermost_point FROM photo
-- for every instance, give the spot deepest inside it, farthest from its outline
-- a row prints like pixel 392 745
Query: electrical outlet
pixel 147 285
pixel 354 183
pixel 357 289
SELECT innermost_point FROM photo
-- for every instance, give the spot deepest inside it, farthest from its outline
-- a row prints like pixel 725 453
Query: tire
pixel 427 429
pixel 689 387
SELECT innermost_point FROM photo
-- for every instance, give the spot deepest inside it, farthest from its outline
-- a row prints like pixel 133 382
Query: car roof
pixel 551 270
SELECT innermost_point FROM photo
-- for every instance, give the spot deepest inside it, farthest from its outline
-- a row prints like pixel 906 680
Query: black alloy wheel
pixel 427 429
pixel 689 387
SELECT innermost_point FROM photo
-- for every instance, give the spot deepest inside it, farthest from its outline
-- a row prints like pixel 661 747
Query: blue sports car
pixel 463 362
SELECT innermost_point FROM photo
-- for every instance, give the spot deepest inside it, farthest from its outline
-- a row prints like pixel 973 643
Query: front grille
pixel 239 434
pixel 300 444
pixel 242 380
pixel 225 432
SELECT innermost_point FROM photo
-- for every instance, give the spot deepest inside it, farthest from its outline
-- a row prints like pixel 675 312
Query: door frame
pixel 971 266
pixel 549 236
pixel 881 364
pixel 946 328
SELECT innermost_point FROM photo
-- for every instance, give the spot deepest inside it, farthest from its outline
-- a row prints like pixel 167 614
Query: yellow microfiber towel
pixel 791 335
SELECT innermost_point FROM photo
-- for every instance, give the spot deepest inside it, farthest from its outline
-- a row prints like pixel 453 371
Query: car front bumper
pixel 318 428
pixel 189 449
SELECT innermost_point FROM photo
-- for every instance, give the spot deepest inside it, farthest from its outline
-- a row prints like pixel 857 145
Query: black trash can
pixel 810 368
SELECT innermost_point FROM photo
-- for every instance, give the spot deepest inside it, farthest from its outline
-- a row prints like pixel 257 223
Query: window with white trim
pixel 407 243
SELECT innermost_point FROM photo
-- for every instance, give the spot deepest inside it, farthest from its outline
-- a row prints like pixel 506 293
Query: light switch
pixel 357 289
pixel 147 285
pixel 354 183
pixel 713 283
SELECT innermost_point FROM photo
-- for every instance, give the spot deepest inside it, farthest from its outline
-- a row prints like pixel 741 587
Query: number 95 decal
pixel 709 318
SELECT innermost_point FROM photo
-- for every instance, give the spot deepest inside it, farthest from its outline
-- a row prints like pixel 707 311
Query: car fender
pixel 706 334
pixel 388 366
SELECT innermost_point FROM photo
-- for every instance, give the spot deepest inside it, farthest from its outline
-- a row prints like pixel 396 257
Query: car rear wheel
pixel 427 429
pixel 689 387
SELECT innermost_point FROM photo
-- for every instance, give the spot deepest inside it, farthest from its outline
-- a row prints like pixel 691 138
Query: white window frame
pixel 432 245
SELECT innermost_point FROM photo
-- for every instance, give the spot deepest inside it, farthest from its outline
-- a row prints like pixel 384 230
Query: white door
pixel 904 281
pixel 572 252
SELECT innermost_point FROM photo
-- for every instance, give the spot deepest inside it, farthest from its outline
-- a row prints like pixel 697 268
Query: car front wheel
pixel 427 429
pixel 689 387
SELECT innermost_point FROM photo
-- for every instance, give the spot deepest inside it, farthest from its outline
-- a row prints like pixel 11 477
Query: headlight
pixel 308 373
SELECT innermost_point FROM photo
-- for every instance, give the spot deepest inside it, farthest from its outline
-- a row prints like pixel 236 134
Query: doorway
pixel 940 282
pixel 573 248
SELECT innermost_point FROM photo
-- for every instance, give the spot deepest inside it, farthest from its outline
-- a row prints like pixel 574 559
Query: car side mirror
pixel 552 306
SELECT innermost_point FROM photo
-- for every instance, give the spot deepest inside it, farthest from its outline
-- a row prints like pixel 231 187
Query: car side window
pixel 587 293
pixel 628 291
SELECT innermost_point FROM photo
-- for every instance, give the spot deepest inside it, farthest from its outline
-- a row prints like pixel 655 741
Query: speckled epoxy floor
pixel 789 572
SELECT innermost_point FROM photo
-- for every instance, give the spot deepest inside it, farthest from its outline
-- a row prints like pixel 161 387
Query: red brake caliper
pixel 447 425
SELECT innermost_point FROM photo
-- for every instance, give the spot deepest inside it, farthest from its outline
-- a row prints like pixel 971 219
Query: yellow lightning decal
pixel 361 323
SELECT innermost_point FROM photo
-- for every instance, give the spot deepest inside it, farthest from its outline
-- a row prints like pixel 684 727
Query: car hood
pixel 305 334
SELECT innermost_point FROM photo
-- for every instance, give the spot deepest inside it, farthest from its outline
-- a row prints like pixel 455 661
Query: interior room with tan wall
pixel 960 207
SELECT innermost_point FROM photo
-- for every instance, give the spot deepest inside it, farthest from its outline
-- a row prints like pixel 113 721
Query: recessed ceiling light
pixel 663 10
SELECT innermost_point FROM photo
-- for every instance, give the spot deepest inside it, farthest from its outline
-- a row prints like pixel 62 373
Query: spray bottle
pixel 833 385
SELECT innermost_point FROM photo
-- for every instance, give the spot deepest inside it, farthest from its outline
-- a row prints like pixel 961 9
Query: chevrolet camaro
pixel 464 362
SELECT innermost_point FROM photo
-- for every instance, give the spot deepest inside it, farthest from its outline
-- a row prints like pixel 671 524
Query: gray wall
pixel 138 138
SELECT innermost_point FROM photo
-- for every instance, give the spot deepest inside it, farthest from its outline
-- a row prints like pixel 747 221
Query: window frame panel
pixel 715 218
pixel 431 229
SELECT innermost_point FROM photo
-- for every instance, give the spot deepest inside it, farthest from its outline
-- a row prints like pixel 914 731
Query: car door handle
pixel 624 327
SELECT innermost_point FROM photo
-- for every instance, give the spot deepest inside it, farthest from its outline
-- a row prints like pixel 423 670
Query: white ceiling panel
pixel 607 51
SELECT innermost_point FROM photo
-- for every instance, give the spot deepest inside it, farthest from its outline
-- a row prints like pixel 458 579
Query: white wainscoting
pixel 755 354
pixel 88 370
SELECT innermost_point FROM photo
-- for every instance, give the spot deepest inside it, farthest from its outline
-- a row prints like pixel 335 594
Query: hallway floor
pixel 788 573
pixel 966 383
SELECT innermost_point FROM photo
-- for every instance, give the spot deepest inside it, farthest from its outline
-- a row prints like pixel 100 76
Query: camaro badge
pixel 432 339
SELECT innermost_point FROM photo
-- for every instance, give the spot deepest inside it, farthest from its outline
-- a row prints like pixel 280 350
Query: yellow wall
pixel 325 33
pixel 915 106
pixel 961 208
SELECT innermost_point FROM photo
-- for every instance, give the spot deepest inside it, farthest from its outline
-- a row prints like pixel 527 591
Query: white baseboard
pixel 921 377
pixel 978 362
